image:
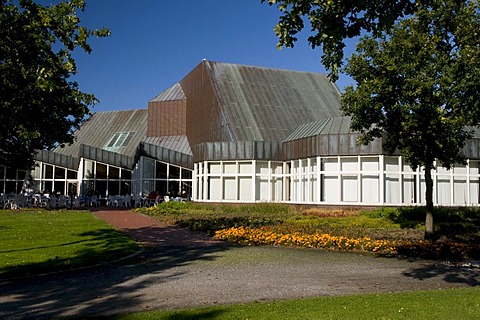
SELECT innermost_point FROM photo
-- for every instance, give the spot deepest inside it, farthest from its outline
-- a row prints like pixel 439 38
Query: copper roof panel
pixel 173 93
pixel 266 104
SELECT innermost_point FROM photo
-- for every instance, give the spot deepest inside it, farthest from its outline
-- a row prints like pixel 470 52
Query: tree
pixel 40 107
pixel 417 72
pixel 334 21
pixel 419 87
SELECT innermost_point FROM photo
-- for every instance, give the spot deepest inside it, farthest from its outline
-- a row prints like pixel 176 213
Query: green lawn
pixel 36 241
pixel 435 305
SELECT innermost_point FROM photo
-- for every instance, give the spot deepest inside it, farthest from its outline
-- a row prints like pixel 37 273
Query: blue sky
pixel 155 43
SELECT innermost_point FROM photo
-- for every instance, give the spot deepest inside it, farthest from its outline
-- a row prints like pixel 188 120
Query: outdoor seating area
pixel 22 200
pixel 58 201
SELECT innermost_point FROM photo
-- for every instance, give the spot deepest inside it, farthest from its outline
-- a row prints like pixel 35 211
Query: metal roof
pixel 337 125
pixel 166 155
pixel 176 143
pixel 62 160
pixel 173 93
pixel 264 104
pixel 99 130
pixel 270 114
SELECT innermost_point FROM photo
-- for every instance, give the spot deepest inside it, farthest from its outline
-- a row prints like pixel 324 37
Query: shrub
pixel 384 212
pixel 212 217
pixel 330 213
pixel 360 221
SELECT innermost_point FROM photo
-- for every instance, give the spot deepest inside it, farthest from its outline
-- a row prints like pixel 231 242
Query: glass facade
pixel 167 179
pixel 104 179
pixel 358 180
pixel 11 180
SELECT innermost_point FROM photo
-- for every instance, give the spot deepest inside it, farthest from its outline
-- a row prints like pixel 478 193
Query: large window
pixel 105 180
pixel 11 180
pixel 165 178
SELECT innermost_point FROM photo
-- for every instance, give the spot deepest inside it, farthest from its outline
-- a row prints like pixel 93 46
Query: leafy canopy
pixel 419 84
pixel 40 107
pixel 334 21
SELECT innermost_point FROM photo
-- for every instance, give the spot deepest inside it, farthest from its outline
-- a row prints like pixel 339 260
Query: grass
pixel 37 241
pixel 393 230
pixel 434 304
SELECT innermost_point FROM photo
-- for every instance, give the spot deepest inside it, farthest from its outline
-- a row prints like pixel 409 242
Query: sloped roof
pixel 337 125
pixel 174 93
pixel 115 131
pixel 176 143
pixel 264 104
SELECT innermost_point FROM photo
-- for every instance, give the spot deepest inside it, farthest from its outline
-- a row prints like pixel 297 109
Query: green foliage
pixel 362 221
pixel 334 21
pixel 37 241
pixel 383 212
pixel 417 71
pixel 39 106
pixel 417 87
pixel 419 84
pixel 212 217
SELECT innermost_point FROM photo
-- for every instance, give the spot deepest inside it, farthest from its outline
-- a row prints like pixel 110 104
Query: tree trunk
pixel 429 201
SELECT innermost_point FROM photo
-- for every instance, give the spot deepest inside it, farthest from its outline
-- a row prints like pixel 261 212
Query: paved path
pixel 185 270
pixel 152 233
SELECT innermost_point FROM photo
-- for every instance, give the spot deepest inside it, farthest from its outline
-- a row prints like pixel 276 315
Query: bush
pixel 384 212
pixel 212 217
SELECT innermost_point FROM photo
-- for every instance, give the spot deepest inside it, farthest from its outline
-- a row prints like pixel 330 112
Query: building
pixel 235 133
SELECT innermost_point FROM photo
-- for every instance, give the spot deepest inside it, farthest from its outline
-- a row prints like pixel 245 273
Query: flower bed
pixel 268 236
pixel 424 249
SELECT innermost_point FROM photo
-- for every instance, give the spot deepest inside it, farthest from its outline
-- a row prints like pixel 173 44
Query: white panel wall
pixel 245 189
pixel 215 188
pixel 229 189
pixel 349 189
pixel 363 180
pixel 370 188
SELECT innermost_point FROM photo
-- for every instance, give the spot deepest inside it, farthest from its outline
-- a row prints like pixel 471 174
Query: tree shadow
pixel 114 288
pixel 102 245
pixel 449 273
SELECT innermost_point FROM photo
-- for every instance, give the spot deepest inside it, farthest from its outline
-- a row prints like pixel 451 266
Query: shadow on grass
pixel 103 245
pixel 104 289
pixel 124 287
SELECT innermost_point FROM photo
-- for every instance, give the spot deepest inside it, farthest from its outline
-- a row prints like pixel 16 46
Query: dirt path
pixel 200 272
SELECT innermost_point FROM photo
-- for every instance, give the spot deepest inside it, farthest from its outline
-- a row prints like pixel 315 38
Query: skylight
pixel 120 139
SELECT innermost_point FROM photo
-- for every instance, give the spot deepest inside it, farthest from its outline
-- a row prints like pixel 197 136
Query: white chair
pixel 62 201
pixel 52 201
pixel 3 200
pixel 9 201
pixel 137 201
pixel 44 201
pixel 20 201
pixel 110 201
pixel 93 201
pixel 127 201
pixel 113 201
